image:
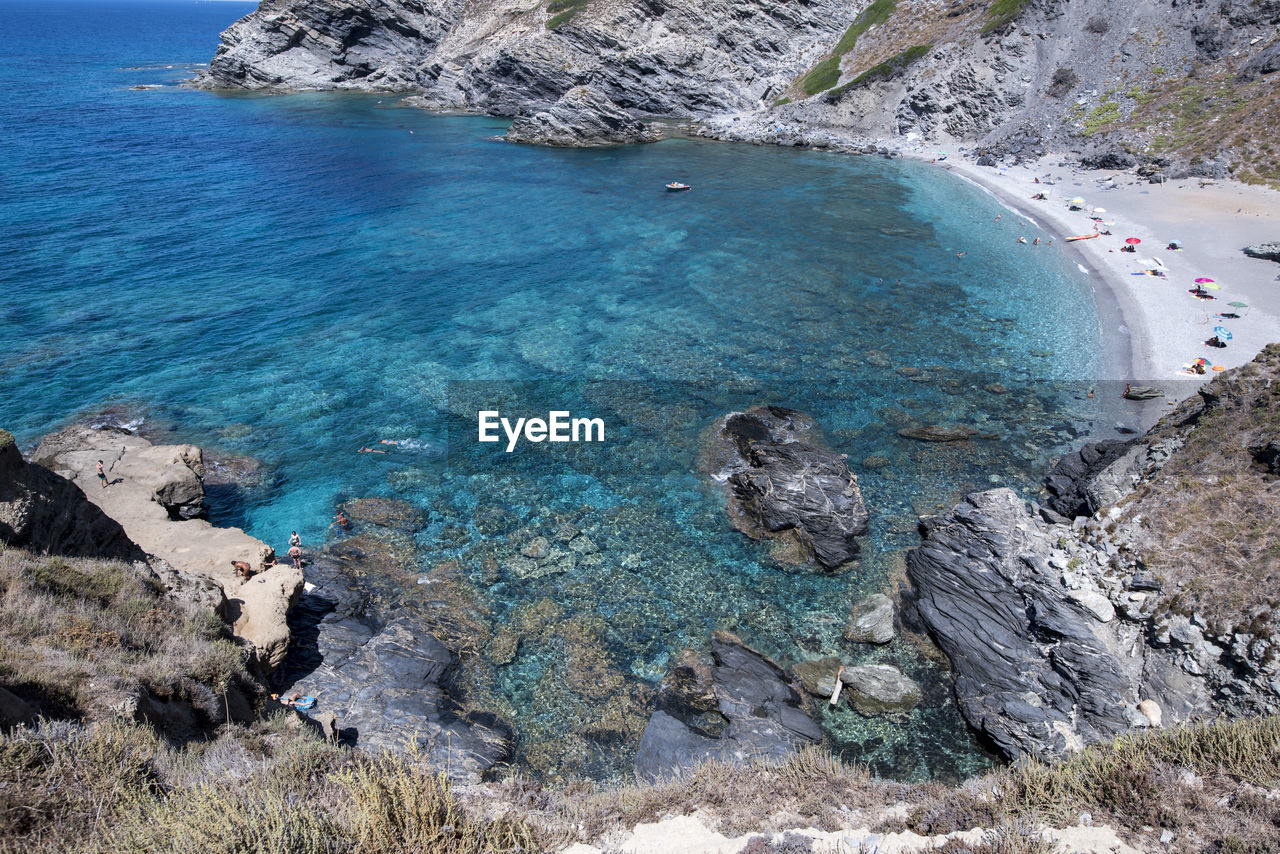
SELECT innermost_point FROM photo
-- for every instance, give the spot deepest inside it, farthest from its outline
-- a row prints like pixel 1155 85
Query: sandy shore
pixel 1154 326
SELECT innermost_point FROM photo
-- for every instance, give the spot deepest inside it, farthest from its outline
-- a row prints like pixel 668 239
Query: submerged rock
pixel 937 433
pixel 782 486
pixel 754 710
pixel 879 689
pixel 582 118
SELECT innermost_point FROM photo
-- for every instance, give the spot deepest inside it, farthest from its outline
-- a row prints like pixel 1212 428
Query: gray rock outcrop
pixel 741 707
pixel 1034 672
pixel 768 72
pixel 871 620
pixel 783 486
pixel 582 118
pixel 1265 251
pixel 385 680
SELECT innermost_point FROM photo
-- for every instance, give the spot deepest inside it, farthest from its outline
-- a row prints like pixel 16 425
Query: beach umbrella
pixel 1211 286
pixel 1132 241
pixel 1221 332
pixel 1099 210
pixel 1203 281
pixel 1238 304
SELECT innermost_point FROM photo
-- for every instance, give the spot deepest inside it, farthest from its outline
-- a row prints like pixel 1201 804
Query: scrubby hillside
pixel 1188 86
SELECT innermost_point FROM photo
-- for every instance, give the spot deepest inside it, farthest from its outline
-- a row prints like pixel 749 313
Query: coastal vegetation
pixel 275 786
pixel 1001 13
pixel 887 70
pixel 563 11
pixel 826 73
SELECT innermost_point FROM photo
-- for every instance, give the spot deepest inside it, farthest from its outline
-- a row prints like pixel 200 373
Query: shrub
pixel 1063 81
pixel 1097 25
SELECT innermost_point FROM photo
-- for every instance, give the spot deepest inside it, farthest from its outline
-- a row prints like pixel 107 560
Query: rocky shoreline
pixel 1059 631
pixel 822 74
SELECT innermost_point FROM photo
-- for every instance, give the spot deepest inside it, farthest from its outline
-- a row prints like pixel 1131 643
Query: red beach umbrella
pixel 1132 241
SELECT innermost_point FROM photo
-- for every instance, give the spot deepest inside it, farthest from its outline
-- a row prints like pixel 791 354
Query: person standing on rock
pixel 102 475
pixel 295 554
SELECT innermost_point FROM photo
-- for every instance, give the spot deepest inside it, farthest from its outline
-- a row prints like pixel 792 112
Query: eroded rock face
pixel 45 512
pixel 782 486
pixel 582 118
pixel 879 689
pixel 1037 671
pixel 738 708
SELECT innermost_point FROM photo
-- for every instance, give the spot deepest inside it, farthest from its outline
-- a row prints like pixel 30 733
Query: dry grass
pixel 1208 521
pixel 77 635
pixel 115 786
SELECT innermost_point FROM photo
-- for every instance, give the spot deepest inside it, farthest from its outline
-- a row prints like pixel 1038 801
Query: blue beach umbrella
pixel 1221 332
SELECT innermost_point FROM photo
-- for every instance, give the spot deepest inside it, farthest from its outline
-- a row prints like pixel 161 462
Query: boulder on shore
pixel 783 486
pixel 871 620
pixel 582 118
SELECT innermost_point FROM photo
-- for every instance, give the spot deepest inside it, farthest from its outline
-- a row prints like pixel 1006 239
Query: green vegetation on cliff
pixel 826 73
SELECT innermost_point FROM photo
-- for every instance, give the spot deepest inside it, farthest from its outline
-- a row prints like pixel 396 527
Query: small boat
pixel 676 186
pixel 1084 236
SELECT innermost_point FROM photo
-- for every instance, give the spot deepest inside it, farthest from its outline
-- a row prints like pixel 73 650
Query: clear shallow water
pixel 290 278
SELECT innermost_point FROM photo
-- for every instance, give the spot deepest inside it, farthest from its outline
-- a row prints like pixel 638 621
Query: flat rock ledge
pixel 155 494
pixel 782 486
pixel 581 118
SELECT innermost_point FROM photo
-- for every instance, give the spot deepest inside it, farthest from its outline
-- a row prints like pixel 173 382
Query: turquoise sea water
pixel 293 277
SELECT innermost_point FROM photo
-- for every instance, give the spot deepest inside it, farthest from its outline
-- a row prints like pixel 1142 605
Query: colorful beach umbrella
pixel 1221 332
pixel 1203 281
pixel 1132 241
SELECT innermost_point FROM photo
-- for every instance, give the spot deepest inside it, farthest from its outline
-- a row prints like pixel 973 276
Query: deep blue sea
pixel 293 277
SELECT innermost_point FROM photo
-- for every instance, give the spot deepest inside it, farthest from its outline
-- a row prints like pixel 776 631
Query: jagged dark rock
pixel 1265 61
pixel 582 118
pixel 1067 482
pixel 1265 251
pixel 1032 676
pixel 385 679
pixel 760 713
pixel 780 485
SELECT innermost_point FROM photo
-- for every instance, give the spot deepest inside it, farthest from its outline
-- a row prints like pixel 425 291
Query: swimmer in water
pixel 390 441
pixel 369 451
pixel 962 254
pixel 1022 240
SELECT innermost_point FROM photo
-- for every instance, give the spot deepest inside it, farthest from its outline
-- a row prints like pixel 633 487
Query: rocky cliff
pixel 1117 82
pixel 1142 595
